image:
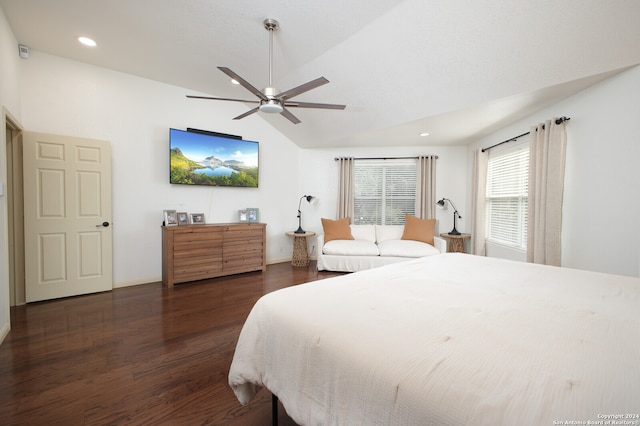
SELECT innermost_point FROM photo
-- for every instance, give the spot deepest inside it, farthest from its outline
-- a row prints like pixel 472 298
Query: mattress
pixel 451 339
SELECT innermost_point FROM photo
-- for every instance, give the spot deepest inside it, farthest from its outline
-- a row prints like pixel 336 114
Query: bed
pixel 451 339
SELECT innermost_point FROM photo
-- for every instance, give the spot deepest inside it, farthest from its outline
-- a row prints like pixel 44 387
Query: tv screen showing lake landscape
pixel 206 158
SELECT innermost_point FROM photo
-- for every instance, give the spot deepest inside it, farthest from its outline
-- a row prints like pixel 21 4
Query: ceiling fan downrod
pixel 271 25
pixel 273 104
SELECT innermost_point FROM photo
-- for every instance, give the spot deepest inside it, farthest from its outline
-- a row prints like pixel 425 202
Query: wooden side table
pixel 300 253
pixel 456 242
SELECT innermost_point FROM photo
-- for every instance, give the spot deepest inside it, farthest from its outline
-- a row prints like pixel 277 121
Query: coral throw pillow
pixel 418 229
pixel 336 229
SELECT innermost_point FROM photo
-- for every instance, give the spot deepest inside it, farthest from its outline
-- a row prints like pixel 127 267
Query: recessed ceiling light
pixel 87 41
pixel 424 134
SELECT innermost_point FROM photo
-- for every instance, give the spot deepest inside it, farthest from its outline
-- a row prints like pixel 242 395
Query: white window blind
pixel 507 197
pixel 384 190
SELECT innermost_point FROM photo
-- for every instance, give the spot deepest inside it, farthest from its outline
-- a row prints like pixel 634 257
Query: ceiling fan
pixel 270 100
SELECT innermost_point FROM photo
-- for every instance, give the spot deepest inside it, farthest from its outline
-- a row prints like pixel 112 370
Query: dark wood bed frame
pixel 274 410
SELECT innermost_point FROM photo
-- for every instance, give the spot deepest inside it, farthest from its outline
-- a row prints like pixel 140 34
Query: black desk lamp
pixel 441 203
pixel 309 198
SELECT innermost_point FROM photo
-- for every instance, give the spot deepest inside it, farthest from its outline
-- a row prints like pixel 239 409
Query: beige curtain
pixel 345 188
pixel 546 186
pixel 426 191
pixel 478 202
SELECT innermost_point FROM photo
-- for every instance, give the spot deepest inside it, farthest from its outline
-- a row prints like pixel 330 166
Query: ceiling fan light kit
pixel 270 100
pixel 271 107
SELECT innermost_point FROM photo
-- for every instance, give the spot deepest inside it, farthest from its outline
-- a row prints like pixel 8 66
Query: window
pixel 384 190
pixel 507 196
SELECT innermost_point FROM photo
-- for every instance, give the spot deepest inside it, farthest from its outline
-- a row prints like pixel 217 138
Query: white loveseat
pixel 373 246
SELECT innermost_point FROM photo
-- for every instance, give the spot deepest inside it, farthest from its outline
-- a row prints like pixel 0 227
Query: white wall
pixel 601 207
pixel 319 177
pixel 65 97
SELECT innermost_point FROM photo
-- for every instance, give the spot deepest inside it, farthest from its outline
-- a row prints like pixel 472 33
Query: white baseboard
pixel 4 332
pixel 282 260
pixel 137 282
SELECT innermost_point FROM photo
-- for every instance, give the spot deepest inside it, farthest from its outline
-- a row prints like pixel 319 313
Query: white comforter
pixel 451 339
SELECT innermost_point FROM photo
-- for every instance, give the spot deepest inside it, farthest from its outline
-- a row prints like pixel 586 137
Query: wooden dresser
pixel 197 252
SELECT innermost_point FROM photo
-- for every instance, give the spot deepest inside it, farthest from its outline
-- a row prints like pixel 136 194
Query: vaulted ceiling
pixel 458 69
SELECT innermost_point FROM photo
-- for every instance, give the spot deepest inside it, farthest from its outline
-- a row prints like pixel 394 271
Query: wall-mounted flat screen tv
pixel 199 157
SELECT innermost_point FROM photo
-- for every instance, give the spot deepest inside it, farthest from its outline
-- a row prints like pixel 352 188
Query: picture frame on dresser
pixel 197 219
pixel 253 215
pixel 242 216
pixel 183 218
pixel 170 218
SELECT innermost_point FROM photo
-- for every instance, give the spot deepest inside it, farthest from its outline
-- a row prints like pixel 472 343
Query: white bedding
pixel 450 339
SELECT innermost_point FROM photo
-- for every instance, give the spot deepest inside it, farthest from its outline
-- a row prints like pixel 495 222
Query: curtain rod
pixel 389 158
pixel 558 121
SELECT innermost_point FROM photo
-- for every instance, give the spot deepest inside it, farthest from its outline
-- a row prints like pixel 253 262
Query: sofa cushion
pixel 364 232
pixel 351 248
pixel 406 248
pixel 336 229
pixel 418 229
pixel 388 232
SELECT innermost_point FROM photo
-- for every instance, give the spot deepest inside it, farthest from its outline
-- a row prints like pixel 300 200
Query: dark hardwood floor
pixel 137 355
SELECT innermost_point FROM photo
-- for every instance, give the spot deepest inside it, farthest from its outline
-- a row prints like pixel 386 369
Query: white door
pixel 67 209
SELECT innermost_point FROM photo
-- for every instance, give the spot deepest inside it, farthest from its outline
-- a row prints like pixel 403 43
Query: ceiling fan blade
pixel 223 99
pixel 292 118
pixel 292 104
pixel 251 111
pixel 244 83
pixel 302 88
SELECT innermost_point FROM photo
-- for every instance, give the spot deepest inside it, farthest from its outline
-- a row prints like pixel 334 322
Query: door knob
pixel 103 225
